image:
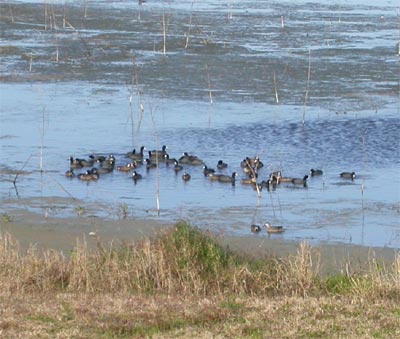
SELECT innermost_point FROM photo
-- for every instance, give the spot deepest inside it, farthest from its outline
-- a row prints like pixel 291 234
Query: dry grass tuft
pixel 183 283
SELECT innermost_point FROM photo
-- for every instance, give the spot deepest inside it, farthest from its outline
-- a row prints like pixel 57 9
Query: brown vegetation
pixel 183 283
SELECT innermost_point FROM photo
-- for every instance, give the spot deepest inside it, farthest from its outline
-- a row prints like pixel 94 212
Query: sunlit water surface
pixel 333 66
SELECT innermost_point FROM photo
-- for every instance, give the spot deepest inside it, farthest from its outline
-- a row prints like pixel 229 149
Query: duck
pixel 315 172
pixel 109 163
pixel 255 228
pixel 89 175
pixel 252 162
pixel 70 173
pixel 285 179
pixel 228 178
pixel 276 174
pixel 159 154
pixel 299 181
pixel 214 176
pixel 186 176
pixel 348 175
pixel 97 158
pixel 273 229
pixel 251 180
pixel 136 176
pixel 75 163
pixel 221 165
pixel 188 159
pixel 127 167
pixel 136 156
pixel 169 160
pixel 185 158
pixel 177 167
pixel 207 171
pixel 105 170
pixel 150 164
pixel 86 163
pixel 95 173
pixel 270 183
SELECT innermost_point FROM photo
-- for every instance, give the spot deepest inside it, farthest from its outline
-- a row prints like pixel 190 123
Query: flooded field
pixel 301 84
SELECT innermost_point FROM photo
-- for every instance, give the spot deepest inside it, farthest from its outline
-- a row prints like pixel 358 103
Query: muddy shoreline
pixel 63 234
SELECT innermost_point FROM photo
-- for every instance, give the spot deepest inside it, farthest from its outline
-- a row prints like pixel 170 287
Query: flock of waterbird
pixel 134 160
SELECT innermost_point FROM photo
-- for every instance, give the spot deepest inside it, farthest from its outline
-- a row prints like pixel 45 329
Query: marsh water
pixel 301 84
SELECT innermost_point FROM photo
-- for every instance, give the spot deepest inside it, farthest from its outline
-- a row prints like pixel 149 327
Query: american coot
pixel 315 172
pixel 252 179
pixel 270 183
pixel 85 162
pixel 273 229
pixel 136 176
pixel 109 163
pixel 221 165
pixel 299 181
pixel 227 178
pixel 159 154
pixel 168 160
pixel 190 159
pixel 150 164
pixel 186 176
pixel 285 179
pixel 252 162
pixel 348 175
pixel 207 171
pixel 177 167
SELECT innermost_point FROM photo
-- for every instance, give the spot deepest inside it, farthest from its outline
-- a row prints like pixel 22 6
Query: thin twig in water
pixel 88 53
pixel 276 89
pixel 308 87
pixel 157 181
pixel 164 36
pixel 18 173
pixel 189 27
pixel 42 142
pixel 11 13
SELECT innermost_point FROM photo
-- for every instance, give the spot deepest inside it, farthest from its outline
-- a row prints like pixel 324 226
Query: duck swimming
pixel 348 175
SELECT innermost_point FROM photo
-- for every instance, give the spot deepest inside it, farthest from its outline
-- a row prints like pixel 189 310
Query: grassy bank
pixel 182 283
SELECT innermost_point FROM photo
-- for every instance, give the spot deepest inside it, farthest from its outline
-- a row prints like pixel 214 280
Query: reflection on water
pixel 81 105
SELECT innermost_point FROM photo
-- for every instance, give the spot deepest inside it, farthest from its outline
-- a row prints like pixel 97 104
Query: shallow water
pixel 81 105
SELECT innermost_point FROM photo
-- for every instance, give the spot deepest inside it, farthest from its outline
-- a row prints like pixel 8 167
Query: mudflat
pixel 63 234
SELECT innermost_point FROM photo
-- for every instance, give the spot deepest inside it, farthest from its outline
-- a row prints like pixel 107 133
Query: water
pixel 239 52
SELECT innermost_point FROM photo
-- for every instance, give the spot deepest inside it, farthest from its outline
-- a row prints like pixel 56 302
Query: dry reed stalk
pixel 18 173
pixel 276 89
pixel 42 142
pixel 30 62
pixel 189 27
pixel 45 15
pixel 133 81
pixel 157 181
pixel 254 174
pixel 282 22
pixel 301 272
pixel 88 52
pixel 164 36
pixel 52 18
pixel 85 9
pixel 307 87
pixel 11 13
